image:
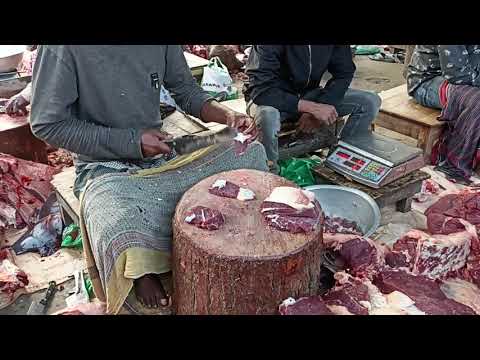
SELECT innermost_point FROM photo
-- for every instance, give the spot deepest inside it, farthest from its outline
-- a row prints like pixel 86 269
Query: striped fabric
pixel 457 152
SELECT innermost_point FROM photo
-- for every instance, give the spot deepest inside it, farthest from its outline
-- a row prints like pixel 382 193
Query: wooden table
pixel 17 139
pixel 400 113
pixel 196 64
pixel 399 192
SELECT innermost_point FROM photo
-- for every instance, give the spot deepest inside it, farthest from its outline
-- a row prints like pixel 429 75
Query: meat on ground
pixel 360 256
pixel 425 292
pixel 230 190
pixel 434 256
pixel 205 218
pixel 292 209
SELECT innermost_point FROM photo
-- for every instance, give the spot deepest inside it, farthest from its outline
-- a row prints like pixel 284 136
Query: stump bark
pixel 245 267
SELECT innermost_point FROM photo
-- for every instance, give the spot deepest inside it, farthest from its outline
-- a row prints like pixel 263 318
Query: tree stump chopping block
pixel 245 267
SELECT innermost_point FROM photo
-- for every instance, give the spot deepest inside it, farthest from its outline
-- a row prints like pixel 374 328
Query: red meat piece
pixel 426 293
pixel 205 218
pixel 313 305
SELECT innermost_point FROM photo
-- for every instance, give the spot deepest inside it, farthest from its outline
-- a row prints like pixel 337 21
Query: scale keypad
pixel 358 165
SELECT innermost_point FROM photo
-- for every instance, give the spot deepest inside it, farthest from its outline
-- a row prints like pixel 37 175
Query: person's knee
pixel 372 101
pixel 267 119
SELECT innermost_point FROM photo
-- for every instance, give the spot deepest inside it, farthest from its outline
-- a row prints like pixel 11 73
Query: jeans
pixel 428 93
pixel 362 106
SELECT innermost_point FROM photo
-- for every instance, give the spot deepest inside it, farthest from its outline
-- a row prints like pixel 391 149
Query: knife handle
pixel 50 291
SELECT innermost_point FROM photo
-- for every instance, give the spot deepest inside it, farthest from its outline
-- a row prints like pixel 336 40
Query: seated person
pixel 102 102
pixel 284 84
pixel 447 77
pixel 433 67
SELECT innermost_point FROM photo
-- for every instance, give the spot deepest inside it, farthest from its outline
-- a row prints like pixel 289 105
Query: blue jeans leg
pixel 363 107
pixel 268 120
pixel 428 93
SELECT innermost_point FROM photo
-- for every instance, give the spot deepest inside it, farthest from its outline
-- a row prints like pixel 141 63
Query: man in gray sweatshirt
pixel 102 102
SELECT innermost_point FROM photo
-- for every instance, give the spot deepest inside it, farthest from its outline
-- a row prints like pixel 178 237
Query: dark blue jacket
pixel 281 75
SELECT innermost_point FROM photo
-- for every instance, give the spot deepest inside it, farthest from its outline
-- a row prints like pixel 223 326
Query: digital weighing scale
pixel 374 160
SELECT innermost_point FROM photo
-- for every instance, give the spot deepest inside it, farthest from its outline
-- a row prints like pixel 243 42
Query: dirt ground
pixel 370 75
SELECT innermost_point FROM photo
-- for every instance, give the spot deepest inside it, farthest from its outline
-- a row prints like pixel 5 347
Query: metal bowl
pixel 351 204
pixel 10 57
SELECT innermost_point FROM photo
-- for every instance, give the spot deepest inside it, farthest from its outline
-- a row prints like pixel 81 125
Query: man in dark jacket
pixel 284 84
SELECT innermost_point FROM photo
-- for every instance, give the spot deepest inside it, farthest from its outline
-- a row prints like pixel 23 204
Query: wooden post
pixel 245 267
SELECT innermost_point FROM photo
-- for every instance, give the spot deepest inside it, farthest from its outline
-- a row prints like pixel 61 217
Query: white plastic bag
pixel 216 80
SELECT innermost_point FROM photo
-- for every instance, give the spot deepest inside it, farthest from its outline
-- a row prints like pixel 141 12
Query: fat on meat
pixel 11 277
pixel 312 305
pixel 230 190
pixel 463 292
pixel 339 225
pixel 425 292
pixel 434 256
pixel 205 218
pixel 292 209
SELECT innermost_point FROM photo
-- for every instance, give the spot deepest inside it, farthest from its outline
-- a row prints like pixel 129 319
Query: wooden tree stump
pixel 245 267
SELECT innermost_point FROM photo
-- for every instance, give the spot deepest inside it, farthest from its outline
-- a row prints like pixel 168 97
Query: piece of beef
pixel 348 298
pixel 434 256
pixel 338 225
pixel 426 293
pixel 360 256
pixel 205 218
pixel 230 190
pixel 464 204
pixel 292 209
pixel 24 185
pixel 463 292
pixel 11 277
pixel 312 305
pixel 241 142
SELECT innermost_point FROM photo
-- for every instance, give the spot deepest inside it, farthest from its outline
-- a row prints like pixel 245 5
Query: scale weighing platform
pixel 374 160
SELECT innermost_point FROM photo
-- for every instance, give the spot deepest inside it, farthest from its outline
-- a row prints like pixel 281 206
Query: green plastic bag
pixel 72 237
pixel 367 50
pixel 299 170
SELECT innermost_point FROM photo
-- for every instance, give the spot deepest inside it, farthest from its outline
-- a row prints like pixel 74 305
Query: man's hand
pixel 17 106
pixel 322 112
pixel 308 124
pixel 152 143
pixel 243 123
pixel 213 111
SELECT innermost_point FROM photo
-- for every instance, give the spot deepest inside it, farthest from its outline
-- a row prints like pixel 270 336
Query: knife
pixel 189 143
pixel 40 307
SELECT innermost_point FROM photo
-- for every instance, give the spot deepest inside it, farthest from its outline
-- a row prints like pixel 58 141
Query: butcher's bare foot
pixel 150 291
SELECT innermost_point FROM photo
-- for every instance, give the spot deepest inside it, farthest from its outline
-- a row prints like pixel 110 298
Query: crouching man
pixel 284 84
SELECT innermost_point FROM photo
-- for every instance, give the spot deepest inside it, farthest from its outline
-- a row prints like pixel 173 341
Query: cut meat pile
pixel 11 277
pixel 230 190
pixel 292 209
pixel 24 187
pixel 205 218
pixel 434 273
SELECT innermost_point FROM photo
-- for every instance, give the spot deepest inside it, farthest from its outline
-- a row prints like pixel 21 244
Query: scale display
pixel 357 166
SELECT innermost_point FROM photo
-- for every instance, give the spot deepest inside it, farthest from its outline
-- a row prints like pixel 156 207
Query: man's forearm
pixel 213 111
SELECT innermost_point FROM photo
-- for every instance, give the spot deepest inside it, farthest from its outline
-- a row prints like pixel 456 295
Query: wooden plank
pixel 63 184
pixel 404 127
pixel 396 102
pixel 194 62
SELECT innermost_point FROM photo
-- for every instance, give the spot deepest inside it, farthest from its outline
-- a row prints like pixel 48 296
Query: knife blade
pixel 40 307
pixel 190 143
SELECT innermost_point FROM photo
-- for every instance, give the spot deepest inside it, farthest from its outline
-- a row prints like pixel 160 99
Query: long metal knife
pixel 40 307
pixel 190 143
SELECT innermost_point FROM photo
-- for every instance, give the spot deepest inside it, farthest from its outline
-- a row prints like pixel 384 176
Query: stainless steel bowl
pixel 351 204
pixel 10 57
